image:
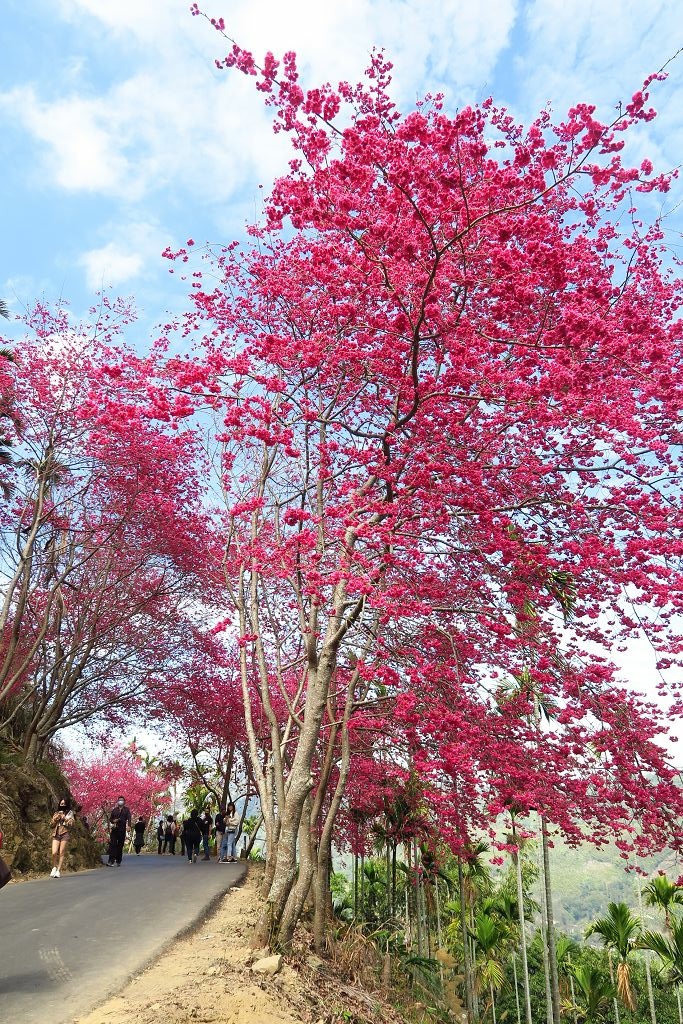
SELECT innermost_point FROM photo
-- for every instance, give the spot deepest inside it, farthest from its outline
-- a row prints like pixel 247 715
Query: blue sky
pixel 120 137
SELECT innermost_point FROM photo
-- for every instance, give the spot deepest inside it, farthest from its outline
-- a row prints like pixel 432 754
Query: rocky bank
pixel 28 798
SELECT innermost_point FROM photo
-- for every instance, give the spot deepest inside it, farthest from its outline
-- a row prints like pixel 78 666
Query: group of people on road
pixel 195 833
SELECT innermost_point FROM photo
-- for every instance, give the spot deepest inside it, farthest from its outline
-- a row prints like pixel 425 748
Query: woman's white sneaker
pixel 53 873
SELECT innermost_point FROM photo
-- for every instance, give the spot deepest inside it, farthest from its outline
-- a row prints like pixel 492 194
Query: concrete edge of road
pixel 184 932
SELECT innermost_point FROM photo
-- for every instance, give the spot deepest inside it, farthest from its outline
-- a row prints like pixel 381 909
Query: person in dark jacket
pixel 206 823
pixel 192 835
pixel 139 829
pixel 170 833
pixel 220 831
pixel 119 820
pixel 160 835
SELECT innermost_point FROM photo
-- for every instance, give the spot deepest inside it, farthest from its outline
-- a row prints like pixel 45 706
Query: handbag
pixel 5 873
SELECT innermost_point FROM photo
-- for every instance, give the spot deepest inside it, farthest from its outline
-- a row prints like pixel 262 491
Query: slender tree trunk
pixel 646 954
pixel 522 930
pixel 466 962
pixel 321 892
pixel 362 884
pixel 493 1002
pixel 416 900
pixel 546 962
pixel 611 977
pixel 516 983
pixel 678 1000
pixel 409 926
pixel 550 925
pixel 573 995
pixel 439 934
pixel 252 838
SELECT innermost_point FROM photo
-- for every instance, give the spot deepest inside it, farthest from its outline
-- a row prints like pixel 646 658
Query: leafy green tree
pixel 669 949
pixel 594 991
pixel 664 894
pixel 490 935
pixel 619 931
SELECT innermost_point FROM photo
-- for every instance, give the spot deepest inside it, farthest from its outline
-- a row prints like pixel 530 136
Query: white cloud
pixel 132 248
pixel 110 265
pixel 594 52
pixel 83 148
pixel 138 114
pixel 174 120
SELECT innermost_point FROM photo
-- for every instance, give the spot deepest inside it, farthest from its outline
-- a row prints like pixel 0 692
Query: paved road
pixel 68 943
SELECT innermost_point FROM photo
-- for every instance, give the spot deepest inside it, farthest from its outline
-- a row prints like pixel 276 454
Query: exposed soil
pixel 208 977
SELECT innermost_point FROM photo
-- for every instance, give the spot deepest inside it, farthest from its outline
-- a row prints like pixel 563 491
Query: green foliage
pixel 586 991
pixel 594 992
pixel 662 893
pixel 618 930
pixel 669 949
pixel 342 897
pixel 197 796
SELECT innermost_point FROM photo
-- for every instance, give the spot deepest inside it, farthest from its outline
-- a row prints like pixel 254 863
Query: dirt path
pixel 206 978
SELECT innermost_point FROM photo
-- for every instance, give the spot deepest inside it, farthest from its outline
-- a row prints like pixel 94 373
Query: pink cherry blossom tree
pixel 445 378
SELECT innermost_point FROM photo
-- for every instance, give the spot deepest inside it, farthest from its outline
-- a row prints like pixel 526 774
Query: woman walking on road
pixel 61 823
pixel 192 835
pixel 229 844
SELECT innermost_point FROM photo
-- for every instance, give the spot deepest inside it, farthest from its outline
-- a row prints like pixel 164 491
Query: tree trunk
pixel 416 900
pixel 516 983
pixel 646 955
pixel 550 925
pixel 321 893
pixel 546 961
pixel 611 976
pixel 522 931
pixel 301 889
pixel 493 1002
pixel 466 963
pixel 573 995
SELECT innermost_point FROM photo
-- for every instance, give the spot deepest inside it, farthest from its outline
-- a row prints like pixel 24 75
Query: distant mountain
pixel 585 880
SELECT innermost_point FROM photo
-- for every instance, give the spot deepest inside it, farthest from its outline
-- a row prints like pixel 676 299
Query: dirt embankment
pixel 210 977
pixel 28 799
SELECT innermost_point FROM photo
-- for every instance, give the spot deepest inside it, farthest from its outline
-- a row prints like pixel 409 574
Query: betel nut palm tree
pixel 620 932
pixel 664 894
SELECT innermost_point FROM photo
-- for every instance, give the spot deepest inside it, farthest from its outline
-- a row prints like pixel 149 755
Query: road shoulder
pixel 207 976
